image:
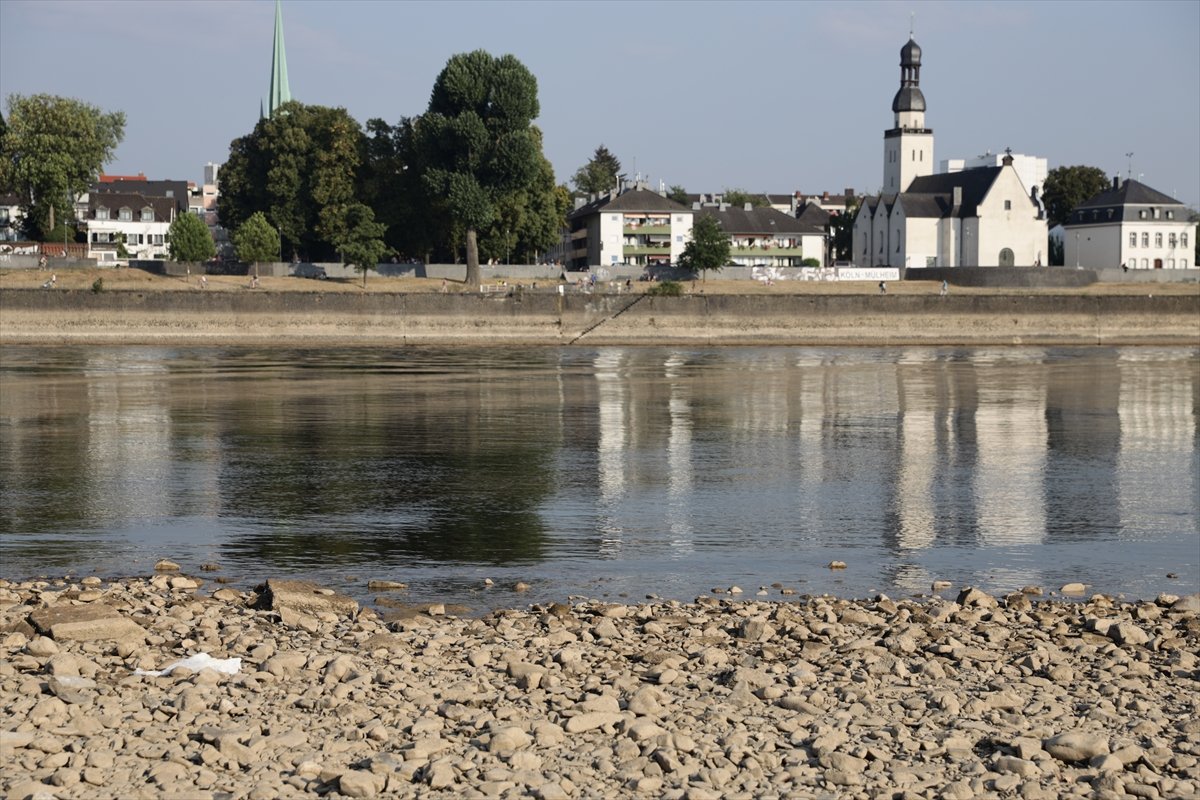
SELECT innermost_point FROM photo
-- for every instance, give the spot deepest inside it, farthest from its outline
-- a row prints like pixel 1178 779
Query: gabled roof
pixel 1130 192
pixel 178 189
pixel 134 201
pixel 1126 202
pixel 763 221
pixel 975 184
pixel 631 200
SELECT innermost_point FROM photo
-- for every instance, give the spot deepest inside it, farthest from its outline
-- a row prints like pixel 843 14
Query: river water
pixel 610 473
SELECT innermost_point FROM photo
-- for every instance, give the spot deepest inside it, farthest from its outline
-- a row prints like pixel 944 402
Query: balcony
pixel 750 252
pixel 642 230
pixel 646 250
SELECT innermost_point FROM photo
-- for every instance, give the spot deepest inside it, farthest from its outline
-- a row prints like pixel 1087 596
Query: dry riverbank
pixel 798 697
pixel 801 314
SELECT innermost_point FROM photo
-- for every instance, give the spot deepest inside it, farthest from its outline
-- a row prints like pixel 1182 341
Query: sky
pixel 763 96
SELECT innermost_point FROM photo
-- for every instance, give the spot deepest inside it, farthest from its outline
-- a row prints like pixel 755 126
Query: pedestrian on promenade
pixel 203 281
pixel 883 287
pixel 945 288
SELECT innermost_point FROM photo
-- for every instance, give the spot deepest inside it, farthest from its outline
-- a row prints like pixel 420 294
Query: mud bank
pixel 314 318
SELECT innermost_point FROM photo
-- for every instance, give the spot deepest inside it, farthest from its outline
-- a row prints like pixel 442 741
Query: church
pixel 982 217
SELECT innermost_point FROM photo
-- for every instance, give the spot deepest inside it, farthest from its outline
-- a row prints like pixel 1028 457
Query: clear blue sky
pixel 765 96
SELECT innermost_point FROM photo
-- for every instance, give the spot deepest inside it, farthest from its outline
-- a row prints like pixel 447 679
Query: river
pixel 608 472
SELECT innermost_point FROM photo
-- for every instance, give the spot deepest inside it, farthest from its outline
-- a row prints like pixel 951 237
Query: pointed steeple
pixel 280 93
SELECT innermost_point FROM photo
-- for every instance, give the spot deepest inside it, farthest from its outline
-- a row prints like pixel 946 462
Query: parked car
pixel 315 271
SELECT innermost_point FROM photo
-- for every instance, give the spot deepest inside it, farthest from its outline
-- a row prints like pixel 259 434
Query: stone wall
pixel 291 318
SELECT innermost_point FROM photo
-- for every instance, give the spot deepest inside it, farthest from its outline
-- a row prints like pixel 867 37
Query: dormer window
pixel 1156 213
pixel 126 215
pixel 1142 214
pixel 1110 213
pixel 147 215
pixel 101 213
pixel 1170 214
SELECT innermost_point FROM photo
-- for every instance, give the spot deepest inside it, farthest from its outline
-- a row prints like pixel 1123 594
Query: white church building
pixel 983 216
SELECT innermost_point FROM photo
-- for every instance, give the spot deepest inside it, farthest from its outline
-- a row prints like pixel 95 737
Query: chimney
pixel 958 195
pixel 849 192
pixel 1116 181
pixel 747 206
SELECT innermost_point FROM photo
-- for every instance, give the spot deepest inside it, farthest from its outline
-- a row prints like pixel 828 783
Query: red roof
pixel 113 178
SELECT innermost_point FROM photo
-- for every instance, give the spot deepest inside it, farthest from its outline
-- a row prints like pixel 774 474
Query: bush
pixel 666 289
pixel 98 286
pixel 810 262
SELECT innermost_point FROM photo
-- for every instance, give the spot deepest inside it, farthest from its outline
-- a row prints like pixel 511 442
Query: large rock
pixel 85 623
pixel 1075 746
pixel 304 596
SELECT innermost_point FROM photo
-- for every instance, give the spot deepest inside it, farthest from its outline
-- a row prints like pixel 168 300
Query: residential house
pixel 976 217
pixel 634 226
pixel 1130 225
pixel 135 220
pixel 767 237
pixel 10 217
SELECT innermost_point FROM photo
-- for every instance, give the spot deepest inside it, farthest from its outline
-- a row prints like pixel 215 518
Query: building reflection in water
pixel 679 455
pixel 612 407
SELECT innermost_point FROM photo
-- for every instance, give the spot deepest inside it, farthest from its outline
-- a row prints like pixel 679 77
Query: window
pixel 156 238
pixel 1133 240
pixel 1158 240
pixel 1171 263
pixel 1008 205
pixel 1171 240
pixel 126 215
pixel 147 215
pixel 1145 263
pixel 1170 214
pixel 101 213
pixel 1183 240
pixel 1145 240
pixel 1156 213
pixel 1142 214
pixel 1183 263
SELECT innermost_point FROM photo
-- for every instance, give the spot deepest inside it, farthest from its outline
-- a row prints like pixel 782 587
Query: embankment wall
pixel 304 318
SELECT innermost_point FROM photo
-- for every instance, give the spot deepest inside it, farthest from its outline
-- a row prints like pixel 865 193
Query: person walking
pixel 883 287
pixel 945 288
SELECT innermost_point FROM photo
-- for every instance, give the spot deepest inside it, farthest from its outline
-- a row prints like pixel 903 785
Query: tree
pixel 190 239
pixel 529 220
pixel 678 194
pixel 362 241
pixel 477 141
pixel 300 168
pixel 52 150
pixel 841 226
pixel 1067 187
pixel 737 198
pixel 599 174
pixel 708 248
pixel 256 240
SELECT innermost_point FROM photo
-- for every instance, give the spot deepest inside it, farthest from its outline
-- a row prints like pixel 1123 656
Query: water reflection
pixel 639 469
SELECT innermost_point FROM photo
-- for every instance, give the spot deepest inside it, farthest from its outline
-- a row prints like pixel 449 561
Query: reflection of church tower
pixel 908 147
pixel 279 92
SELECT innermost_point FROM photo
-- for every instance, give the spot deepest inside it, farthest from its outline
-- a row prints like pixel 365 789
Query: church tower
pixel 908 147
pixel 279 92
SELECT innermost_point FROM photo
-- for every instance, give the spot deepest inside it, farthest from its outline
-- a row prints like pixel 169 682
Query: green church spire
pixel 280 93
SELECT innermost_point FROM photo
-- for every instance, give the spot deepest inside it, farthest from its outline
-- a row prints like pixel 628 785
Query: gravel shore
pixel 795 697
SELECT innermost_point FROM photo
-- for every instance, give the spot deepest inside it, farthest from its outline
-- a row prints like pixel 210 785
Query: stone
pixel 1075 746
pixel 756 629
pixel 85 623
pixel 385 585
pixel 938 586
pixel 358 783
pixel 41 647
pixel 972 597
pixel 304 597
pixel 837 565
pixel 166 565
pixel 1016 766
pixel 507 741
pixel 1074 588
pixel 1127 633
pixel 592 720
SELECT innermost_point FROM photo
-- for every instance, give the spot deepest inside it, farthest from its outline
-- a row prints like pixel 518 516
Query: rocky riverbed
pixel 791 697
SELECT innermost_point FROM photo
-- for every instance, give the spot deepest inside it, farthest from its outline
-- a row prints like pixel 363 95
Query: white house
pixel 636 226
pixel 139 222
pixel 1032 170
pixel 974 217
pixel 10 217
pixel 1130 225
pixel 767 237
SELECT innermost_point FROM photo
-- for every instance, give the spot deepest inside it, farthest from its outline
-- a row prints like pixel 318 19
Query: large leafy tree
pixel 530 219
pixel 708 248
pixel 599 174
pixel 300 168
pixel 1067 187
pixel 190 239
pixel 256 240
pixel 477 140
pixel 678 194
pixel 737 198
pixel 842 229
pixel 52 150
pixel 392 182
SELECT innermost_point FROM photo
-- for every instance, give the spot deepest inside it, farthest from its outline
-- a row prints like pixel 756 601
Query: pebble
pixel 721 697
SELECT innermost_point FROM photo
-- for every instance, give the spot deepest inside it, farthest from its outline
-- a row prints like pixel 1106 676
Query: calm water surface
pixel 615 472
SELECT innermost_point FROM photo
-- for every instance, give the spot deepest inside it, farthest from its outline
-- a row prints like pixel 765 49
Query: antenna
pixel 1129 174
pixel 912 23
